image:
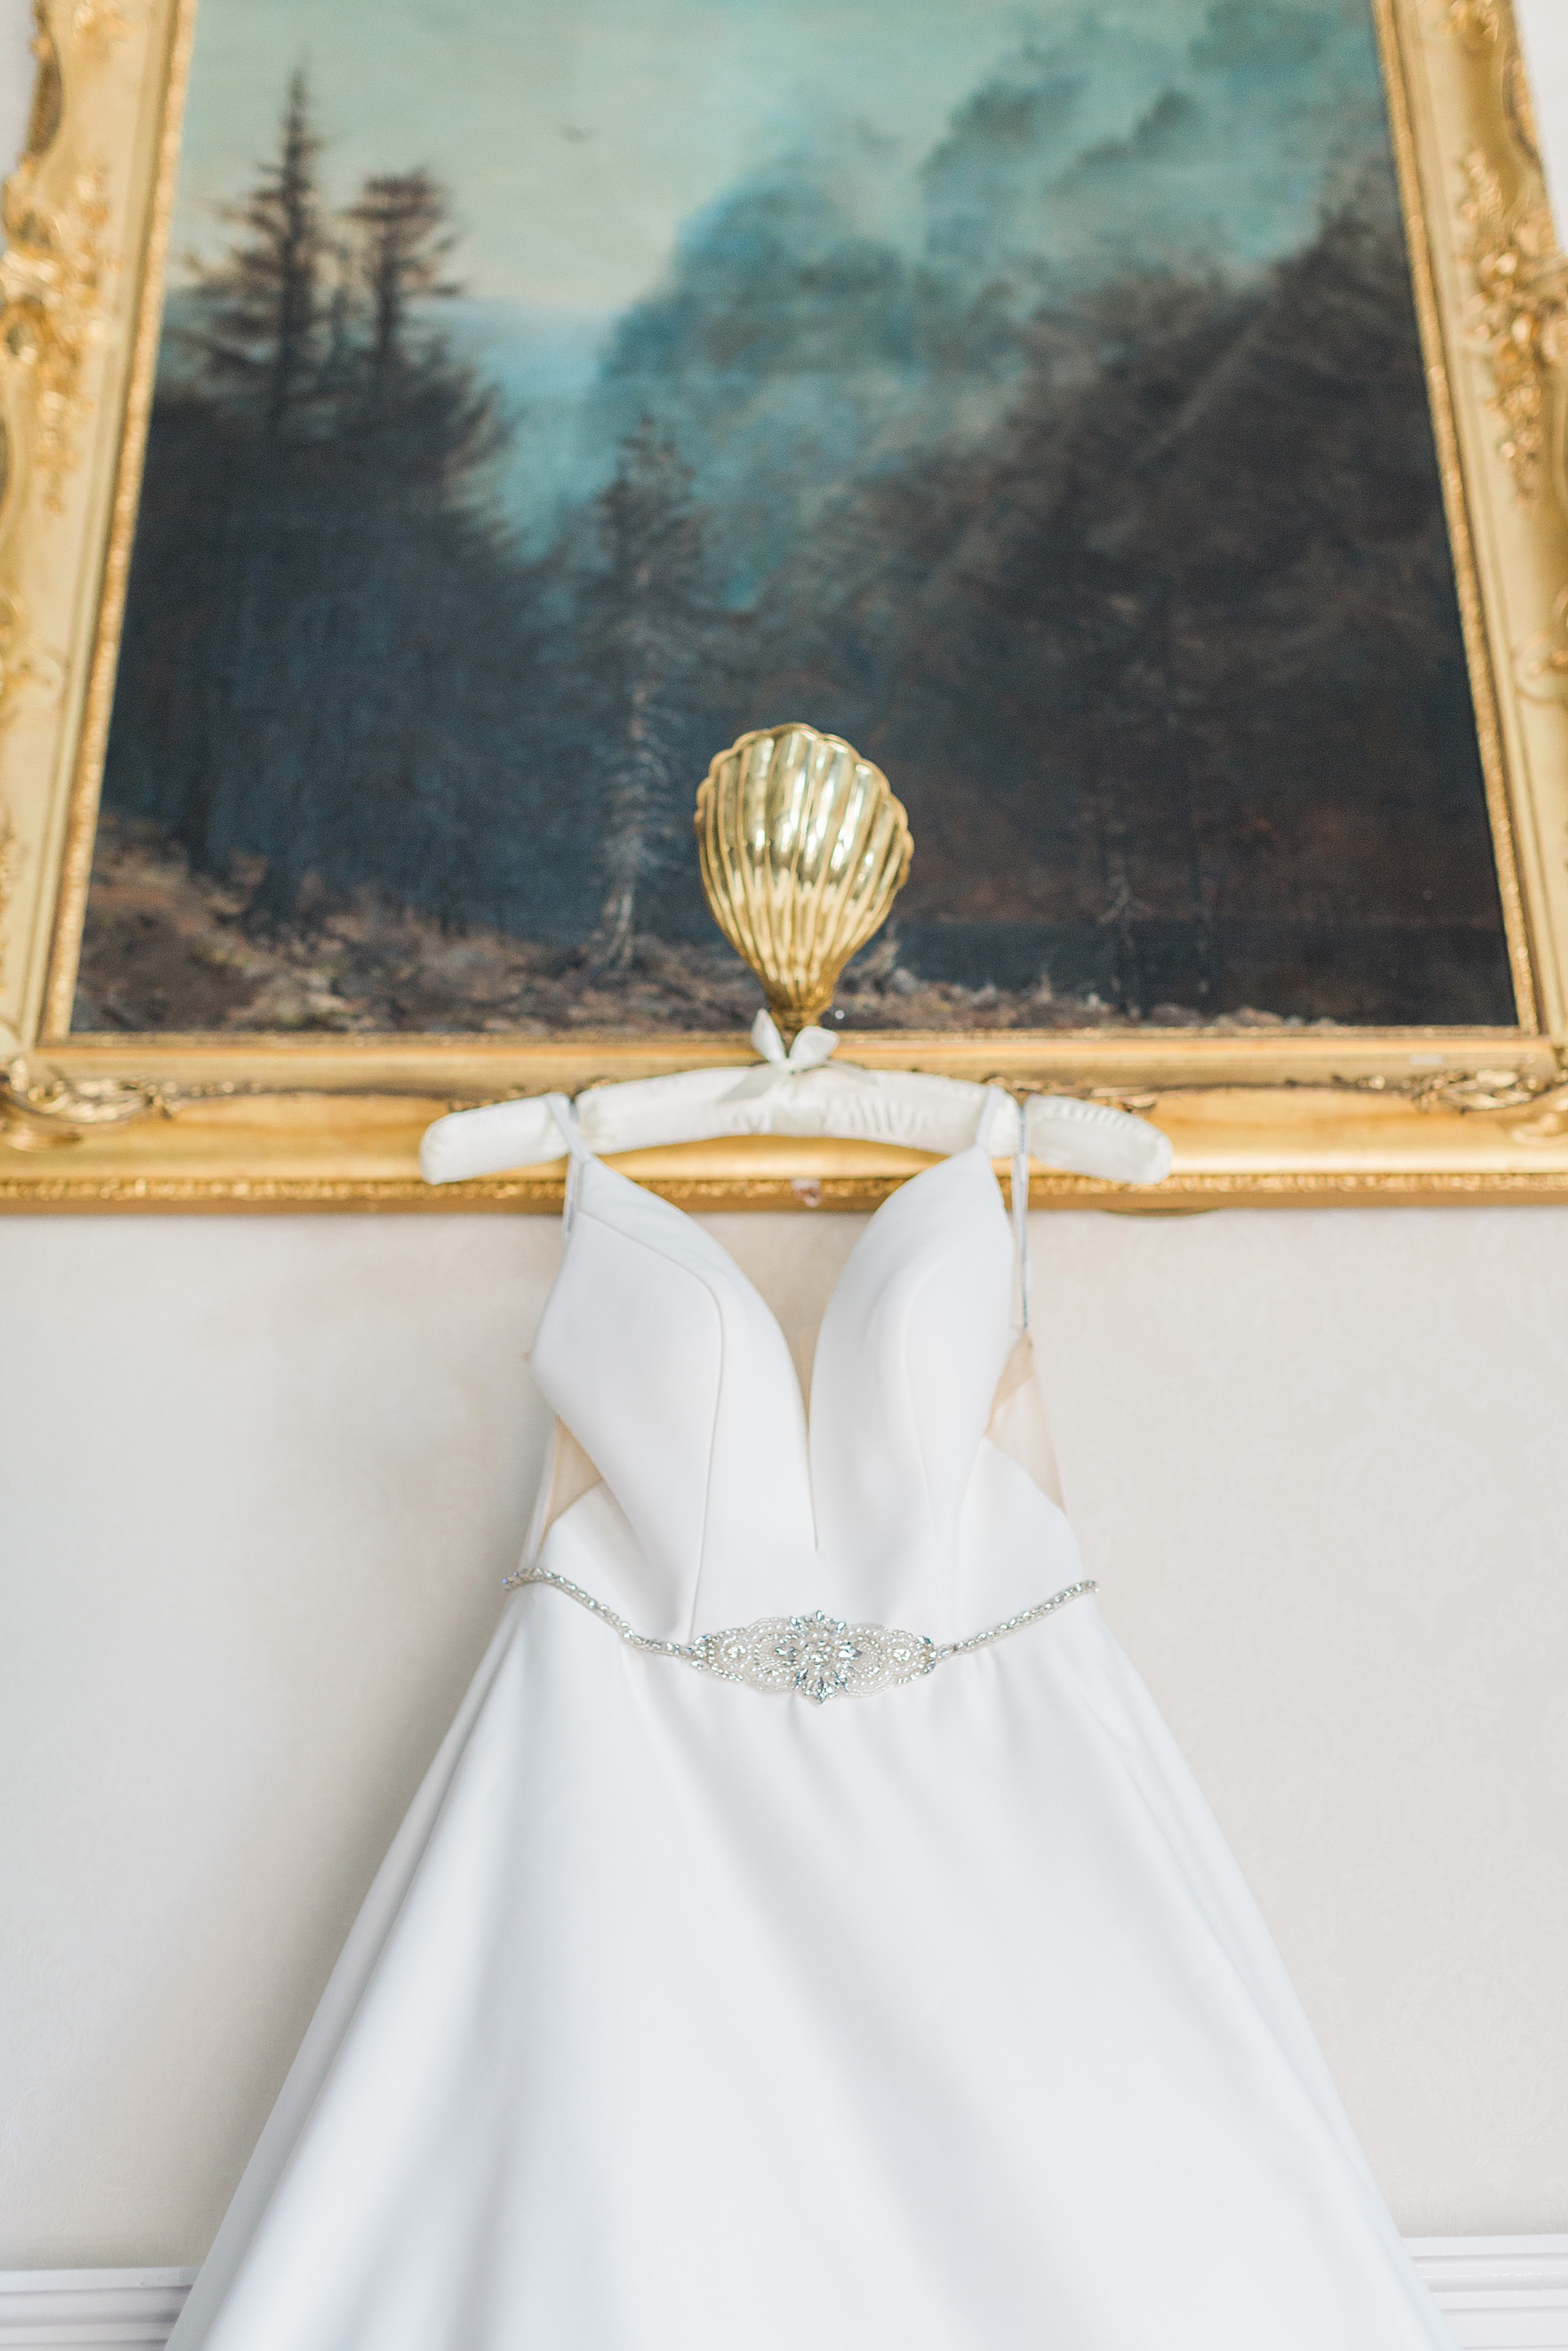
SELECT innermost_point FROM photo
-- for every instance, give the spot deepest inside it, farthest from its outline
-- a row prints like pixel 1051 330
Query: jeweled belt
pixel 816 1657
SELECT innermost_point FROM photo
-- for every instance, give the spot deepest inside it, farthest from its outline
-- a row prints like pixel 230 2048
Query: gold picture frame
pixel 1310 1116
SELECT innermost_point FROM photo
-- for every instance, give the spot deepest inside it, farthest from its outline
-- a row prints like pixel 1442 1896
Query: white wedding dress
pixel 830 1983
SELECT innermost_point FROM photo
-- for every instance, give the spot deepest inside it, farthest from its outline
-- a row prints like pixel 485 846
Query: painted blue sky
pixel 583 136
pixel 627 171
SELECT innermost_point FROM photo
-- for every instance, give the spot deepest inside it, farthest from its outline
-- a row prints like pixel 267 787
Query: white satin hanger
pixel 796 1093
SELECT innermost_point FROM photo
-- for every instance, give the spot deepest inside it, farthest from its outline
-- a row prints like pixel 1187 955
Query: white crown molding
pixel 111 2310
pixel 1500 2294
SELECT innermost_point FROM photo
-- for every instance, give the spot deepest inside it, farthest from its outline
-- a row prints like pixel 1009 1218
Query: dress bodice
pixel 723 1496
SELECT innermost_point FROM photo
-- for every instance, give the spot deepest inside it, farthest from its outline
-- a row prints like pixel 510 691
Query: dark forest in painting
pixel 1137 585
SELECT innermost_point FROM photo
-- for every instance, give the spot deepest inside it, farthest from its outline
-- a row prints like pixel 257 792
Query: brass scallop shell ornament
pixel 803 849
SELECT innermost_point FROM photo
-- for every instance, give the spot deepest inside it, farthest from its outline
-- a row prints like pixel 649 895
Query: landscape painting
pixel 550 390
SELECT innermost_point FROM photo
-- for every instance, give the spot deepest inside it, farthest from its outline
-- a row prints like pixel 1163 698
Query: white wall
pixel 1543 25
pixel 259 1481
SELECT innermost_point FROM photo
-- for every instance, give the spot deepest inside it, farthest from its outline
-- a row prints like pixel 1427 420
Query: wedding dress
pixel 770 1962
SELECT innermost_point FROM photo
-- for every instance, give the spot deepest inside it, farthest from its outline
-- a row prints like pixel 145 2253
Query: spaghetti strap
pixel 995 1095
pixel 563 1110
pixel 1020 1223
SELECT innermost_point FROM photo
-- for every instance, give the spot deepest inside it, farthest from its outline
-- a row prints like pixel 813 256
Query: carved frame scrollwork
pixel 82 217
pixel 1309 1116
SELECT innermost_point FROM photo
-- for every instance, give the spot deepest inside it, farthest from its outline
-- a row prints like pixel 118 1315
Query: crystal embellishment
pixel 816 1657
pixel 819 1656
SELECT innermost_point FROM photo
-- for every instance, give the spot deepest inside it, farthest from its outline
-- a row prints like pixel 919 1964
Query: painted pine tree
pixel 648 624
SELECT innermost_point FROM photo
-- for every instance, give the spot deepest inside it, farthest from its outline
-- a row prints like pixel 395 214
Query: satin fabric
pixel 682 2018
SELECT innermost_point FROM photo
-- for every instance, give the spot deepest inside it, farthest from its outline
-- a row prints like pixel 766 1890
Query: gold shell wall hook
pixel 803 849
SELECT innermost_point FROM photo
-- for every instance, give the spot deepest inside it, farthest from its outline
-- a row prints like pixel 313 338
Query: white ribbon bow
pixel 777 1068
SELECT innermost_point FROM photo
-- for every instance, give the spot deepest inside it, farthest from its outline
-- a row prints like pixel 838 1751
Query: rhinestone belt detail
pixel 816 1657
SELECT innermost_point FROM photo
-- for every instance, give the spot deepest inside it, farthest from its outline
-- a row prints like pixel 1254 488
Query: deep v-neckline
pixel 736 1271
pixel 734 1479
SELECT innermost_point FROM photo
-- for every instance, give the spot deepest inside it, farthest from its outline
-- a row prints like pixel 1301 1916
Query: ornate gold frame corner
pixel 1272 1116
